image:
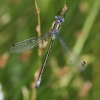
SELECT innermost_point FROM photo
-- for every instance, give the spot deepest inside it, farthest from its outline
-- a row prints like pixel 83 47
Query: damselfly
pixel 72 56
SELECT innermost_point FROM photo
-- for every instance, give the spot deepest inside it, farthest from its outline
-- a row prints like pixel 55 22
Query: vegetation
pixel 23 19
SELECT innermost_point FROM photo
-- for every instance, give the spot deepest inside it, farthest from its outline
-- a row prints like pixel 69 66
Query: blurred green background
pixel 81 30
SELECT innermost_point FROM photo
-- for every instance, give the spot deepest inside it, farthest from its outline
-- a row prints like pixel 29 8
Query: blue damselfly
pixel 70 54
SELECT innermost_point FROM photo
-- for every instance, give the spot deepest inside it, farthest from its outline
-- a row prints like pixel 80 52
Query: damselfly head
pixel 59 19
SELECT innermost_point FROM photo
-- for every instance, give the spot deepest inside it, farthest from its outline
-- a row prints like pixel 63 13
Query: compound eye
pixel 62 19
pixel 55 17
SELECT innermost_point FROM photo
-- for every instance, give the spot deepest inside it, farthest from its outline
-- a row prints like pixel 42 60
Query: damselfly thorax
pixel 56 26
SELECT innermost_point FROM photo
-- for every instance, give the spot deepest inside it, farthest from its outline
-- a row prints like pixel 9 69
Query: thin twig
pixel 38 29
pixel 38 13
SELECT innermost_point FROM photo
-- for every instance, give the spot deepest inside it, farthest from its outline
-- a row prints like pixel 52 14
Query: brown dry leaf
pixel 85 89
pixel 3 60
